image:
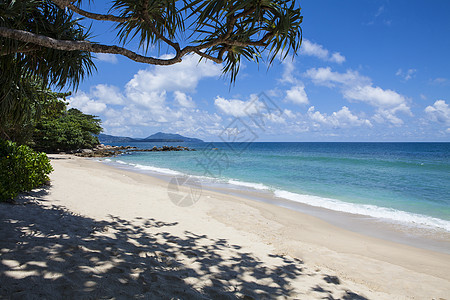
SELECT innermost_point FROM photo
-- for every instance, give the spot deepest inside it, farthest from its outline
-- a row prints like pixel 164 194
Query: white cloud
pixel 289 113
pixel 84 103
pixel 384 115
pixel 337 58
pixel 238 108
pixel 440 81
pixel 340 119
pixel 439 112
pixel 184 100
pixel 106 57
pixel 147 103
pixel 288 71
pixel 183 76
pixel 379 11
pixel 375 96
pixel 108 94
pixel 407 75
pixel 253 106
pixel 326 77
pixel 297 95
pixel 312 49
pixel 356 87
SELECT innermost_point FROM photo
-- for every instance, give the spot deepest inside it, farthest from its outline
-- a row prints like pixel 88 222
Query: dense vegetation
pixel 68 131
pixel 21 169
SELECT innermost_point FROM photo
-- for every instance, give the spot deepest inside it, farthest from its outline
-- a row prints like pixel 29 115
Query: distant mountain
pixel 106 138
pixel 169 137
pixel 157 137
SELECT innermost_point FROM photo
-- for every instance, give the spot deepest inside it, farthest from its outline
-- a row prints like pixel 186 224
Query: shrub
pixel 21 169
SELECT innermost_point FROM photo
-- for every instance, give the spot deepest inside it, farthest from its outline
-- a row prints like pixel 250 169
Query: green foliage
pixel 27 71
pixel 223 31
pixel 52 67
pixel 69 131
pixel 226 30
pixel 18 118
pixel 21 169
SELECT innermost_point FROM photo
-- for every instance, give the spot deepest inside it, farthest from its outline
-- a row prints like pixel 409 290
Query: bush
pixel 21 169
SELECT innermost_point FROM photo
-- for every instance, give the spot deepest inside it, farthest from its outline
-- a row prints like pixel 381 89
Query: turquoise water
pixel 403 182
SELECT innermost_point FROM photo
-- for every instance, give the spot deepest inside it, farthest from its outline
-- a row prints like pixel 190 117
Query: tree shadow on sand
pixel 49 252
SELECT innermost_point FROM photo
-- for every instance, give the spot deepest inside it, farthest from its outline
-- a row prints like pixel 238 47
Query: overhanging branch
pixel 65 45
pixel 100 17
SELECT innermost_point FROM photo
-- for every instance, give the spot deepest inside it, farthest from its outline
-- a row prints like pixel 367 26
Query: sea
pixel 404 184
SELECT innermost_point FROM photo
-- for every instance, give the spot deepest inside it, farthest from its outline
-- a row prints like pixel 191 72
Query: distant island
pixel 157 137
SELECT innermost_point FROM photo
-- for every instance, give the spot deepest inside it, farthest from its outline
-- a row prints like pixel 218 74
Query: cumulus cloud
pixel 340 119
pixel 154 97
pixel 106 57
pixel 439 112
pixel 312 49
pixel 231 107
pixel 87 105
pixel 239 108
pixel 375 96
pixel 108 94
pixel 183 76
pixel 297 95
pixel 337 58
pixel 257 109
pixel 184 100
pixel 356 87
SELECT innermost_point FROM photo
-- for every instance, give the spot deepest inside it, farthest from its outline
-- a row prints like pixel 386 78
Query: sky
pixel 366 71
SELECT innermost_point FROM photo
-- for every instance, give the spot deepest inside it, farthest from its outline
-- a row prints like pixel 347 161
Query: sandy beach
pixel 102 232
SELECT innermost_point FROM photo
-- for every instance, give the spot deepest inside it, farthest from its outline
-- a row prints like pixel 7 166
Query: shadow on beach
pixel 49 252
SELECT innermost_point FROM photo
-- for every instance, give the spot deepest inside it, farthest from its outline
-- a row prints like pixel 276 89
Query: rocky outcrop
pixel 163 148
pixel 106 150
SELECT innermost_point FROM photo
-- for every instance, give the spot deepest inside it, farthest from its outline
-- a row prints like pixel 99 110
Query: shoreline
pixel 315 259
pixel 416 235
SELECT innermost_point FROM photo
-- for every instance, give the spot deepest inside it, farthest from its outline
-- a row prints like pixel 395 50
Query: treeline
pixel 47 125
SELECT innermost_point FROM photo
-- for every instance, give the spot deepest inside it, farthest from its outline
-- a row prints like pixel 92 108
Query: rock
pixel 106 150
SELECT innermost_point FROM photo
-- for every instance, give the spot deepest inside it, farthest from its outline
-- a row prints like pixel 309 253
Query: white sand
pixel 101 232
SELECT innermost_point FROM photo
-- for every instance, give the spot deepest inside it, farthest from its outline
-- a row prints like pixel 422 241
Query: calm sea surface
pixel 401 182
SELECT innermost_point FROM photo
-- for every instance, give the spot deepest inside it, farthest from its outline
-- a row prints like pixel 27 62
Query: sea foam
pixel 388 214
pixel 256 186
pixel 366 210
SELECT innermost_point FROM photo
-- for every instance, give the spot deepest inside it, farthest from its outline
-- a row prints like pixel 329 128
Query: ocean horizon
pixel 406 183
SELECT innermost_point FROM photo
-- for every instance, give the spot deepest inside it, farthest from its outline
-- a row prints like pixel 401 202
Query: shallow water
pixel 397 182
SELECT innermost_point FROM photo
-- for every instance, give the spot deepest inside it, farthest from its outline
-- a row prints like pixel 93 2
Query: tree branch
pixel 100 17
pixel 218 59
pixel 45 41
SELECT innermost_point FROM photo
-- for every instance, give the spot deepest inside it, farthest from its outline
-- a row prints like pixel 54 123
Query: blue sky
pixel 367 71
